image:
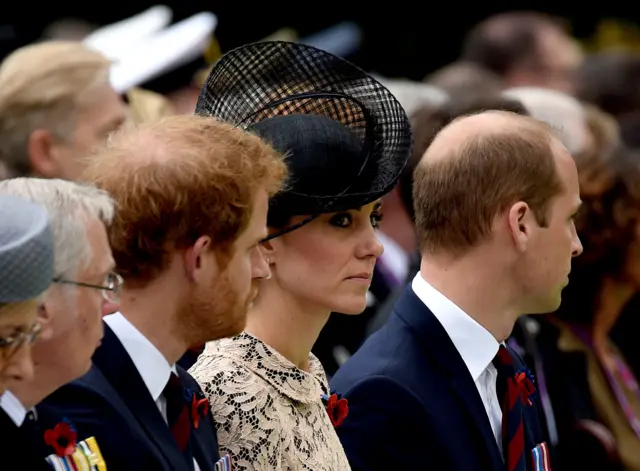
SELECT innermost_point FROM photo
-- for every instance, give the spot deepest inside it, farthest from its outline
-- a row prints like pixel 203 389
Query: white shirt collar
pixel 13 408
pixel 476 345
pixel 153 367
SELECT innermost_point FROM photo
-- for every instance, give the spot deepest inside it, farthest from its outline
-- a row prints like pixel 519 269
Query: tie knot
pixel 173 386
pixel 503 358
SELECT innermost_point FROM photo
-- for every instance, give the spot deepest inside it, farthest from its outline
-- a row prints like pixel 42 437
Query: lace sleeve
pixel 248 425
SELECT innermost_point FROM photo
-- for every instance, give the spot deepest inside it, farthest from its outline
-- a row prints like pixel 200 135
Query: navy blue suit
pixel 112 403
pixel 22 447
pixel 413 403
pixel 25 447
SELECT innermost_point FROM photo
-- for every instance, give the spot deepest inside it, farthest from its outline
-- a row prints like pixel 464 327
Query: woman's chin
pixel 352 308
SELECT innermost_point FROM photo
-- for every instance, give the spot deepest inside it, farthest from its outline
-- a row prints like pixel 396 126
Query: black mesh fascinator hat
pixel 345 135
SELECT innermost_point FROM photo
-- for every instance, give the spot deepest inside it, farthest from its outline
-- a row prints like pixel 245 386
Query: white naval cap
pixel 158 51
pixel 114 39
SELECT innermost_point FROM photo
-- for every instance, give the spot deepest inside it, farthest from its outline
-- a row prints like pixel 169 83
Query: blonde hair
pixel 148 106
pixel 41 87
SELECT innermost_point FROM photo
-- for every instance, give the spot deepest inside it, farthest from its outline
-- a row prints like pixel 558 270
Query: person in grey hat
pixel 26 266
pixel 70 314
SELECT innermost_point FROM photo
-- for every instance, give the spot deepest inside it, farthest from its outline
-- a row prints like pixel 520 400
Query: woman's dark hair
pixel 606 225
pixel 426 122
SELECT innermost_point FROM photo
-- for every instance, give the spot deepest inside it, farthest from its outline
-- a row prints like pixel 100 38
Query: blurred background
pixel 400 38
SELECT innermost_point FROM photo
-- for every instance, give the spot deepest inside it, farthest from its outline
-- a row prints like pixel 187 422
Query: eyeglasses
pixel 110 289
pixel 9 346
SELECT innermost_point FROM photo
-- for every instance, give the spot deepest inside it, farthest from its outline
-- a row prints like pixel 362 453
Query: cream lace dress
pixel 269 413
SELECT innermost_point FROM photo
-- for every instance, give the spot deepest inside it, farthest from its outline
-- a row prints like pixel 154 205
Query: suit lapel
pixel 116 365
pixel 440 348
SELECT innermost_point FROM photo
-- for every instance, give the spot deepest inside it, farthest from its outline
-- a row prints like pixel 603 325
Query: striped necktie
pixel 509 392
pixel 178 416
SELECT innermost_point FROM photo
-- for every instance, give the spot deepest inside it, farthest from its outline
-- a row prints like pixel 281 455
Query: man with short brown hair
pixel 192 196
pixel 495 195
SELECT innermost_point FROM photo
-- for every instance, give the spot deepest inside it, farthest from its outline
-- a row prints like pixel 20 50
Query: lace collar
pixel 272 367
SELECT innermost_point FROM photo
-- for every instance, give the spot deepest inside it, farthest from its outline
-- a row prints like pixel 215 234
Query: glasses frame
pixel 105 289
pixel 9 346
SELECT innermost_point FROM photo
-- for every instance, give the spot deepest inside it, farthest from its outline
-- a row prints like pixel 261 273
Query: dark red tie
pixel 178 416
pixel 509 392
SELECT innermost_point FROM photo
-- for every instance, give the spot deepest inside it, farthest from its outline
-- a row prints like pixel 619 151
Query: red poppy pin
pixel 199 408
pixel 62 438
pixel 526 388
pixel 337 408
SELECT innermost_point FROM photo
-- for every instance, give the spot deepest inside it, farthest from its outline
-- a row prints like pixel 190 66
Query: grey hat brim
pixel 26 250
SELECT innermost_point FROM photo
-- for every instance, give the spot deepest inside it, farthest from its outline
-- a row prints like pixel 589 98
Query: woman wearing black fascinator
pixel 346 140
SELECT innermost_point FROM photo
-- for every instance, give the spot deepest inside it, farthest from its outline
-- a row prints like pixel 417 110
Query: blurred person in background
pixel 70 316
pixel 609 80
pixel 191 195
pixel 525 49
pixel 463 77
pixel 26 270
pixel 564 113
pixel 595 395
pixel 56 105
pixel 604 131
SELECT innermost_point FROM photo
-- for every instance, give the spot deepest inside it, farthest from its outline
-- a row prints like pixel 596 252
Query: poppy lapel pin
pixel 62 437
pixel 525 386
pixel 199 408
pixel 337 408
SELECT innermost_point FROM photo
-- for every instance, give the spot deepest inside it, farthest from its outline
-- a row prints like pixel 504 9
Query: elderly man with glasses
pixel 70 317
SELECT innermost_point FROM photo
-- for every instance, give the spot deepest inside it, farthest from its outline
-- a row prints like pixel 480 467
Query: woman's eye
pixel 376 219
pixel 341 220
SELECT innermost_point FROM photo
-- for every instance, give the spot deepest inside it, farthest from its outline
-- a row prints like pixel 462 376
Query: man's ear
pixel 43 153
pixel 200 259
pixel 44 319
pixel 520 221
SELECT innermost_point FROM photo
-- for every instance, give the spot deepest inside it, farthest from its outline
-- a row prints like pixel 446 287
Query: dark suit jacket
pixel 112 403
pixel 22 447
pixel 413 403
pixel 25 447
